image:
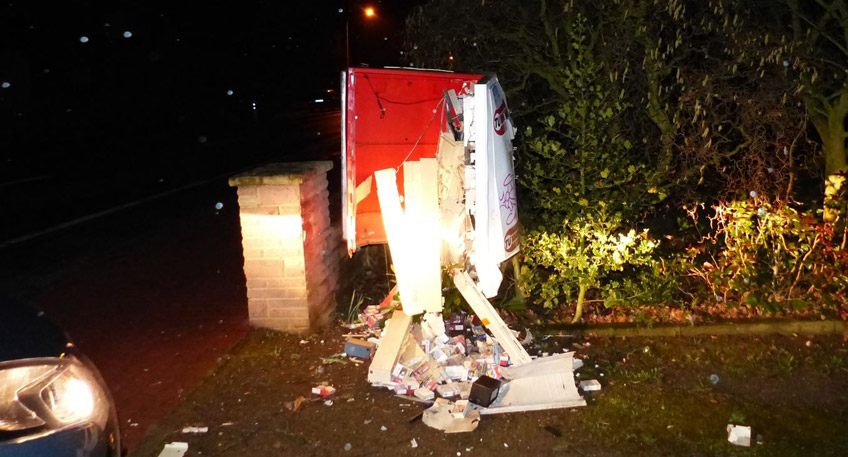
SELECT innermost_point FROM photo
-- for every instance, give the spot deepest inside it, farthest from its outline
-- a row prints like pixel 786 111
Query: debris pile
pixel 455 364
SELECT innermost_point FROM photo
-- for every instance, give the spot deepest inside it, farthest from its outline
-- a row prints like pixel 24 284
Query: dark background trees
pixel 719 126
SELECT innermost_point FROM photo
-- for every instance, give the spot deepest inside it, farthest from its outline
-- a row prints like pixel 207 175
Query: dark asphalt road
pixel 154 293
pixel 62 190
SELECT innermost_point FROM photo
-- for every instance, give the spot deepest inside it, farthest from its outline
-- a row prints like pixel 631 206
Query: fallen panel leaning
pixel 490 318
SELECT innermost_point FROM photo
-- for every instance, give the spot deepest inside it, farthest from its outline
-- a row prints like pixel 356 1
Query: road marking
pixel 106 212
pixel 24 180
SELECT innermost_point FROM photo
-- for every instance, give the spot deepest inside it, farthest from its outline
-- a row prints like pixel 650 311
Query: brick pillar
pixel 291 252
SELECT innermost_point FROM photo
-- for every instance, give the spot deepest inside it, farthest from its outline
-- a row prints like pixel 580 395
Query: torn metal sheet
pixel 544 383
pixel 536 393
pixel 557 363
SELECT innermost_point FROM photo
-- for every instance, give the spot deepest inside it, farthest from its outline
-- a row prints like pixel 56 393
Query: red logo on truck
pixel 499 122
pixel 511 239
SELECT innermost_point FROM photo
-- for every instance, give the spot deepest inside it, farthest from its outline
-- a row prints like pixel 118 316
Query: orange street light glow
pixel 369 12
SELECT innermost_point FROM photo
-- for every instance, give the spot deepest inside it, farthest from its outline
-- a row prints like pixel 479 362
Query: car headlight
pixel 48 395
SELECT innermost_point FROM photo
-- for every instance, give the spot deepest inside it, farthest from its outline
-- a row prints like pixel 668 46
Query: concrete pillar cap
pixel 276 174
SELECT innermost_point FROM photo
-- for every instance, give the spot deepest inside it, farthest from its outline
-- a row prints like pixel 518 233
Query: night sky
pixel 100 86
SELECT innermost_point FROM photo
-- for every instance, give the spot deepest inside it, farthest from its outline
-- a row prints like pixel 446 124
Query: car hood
pixel 26 333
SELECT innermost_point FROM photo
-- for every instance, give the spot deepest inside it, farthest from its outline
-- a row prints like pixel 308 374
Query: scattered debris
pixel 328 403
pixel 590 385
pixel 714 378
pixel 355 347
pixel 576 363
pixel 175 449
pixel 453 362
pixel 297 403
pixel 413 443
pixel 329 360
pixel 739 435
pixel 195 429
pixel 459 409
pixel 383 428
pixel 324 389
pixel 439 416
pixel 424 394
pixel 347 446
pixel 528 339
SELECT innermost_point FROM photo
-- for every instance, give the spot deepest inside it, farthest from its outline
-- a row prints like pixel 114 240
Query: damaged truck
pixel 427 168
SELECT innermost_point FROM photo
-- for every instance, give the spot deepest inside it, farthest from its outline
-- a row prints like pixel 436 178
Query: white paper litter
pixel 175 449
pixel 739 435
pixel 590 385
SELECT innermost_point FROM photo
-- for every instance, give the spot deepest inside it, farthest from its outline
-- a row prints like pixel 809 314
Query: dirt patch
pixel 657 399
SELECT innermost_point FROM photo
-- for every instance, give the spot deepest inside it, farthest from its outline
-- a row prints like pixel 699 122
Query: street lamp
pixel 367 12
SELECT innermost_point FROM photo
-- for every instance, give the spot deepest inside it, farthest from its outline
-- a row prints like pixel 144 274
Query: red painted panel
pixel 388 112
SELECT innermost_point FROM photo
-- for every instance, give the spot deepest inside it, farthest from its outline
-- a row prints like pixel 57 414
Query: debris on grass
pixel 440 417
pixel 363 349
pixel 329 360
pixel 739 435
pixel 175 449
pixel 454 362
pixel 590 385
pixel 324 389
pixel 195 429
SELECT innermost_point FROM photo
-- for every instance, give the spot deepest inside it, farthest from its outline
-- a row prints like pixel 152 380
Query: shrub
pixel 769 255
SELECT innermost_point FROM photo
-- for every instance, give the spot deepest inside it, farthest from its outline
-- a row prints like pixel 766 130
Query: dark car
pixel 53 402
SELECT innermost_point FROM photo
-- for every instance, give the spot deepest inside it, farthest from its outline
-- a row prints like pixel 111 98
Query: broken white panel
pixel 490 318
pixel 421 197
pixel 544 383
pixel 418 273
pixel 175 449
pixel 557 363
pixel 451 157
pixel 397 234
pixel 536 393
pixel 496 222
pixel 394 335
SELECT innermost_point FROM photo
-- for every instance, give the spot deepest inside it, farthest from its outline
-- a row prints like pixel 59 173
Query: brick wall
pixel 291 251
